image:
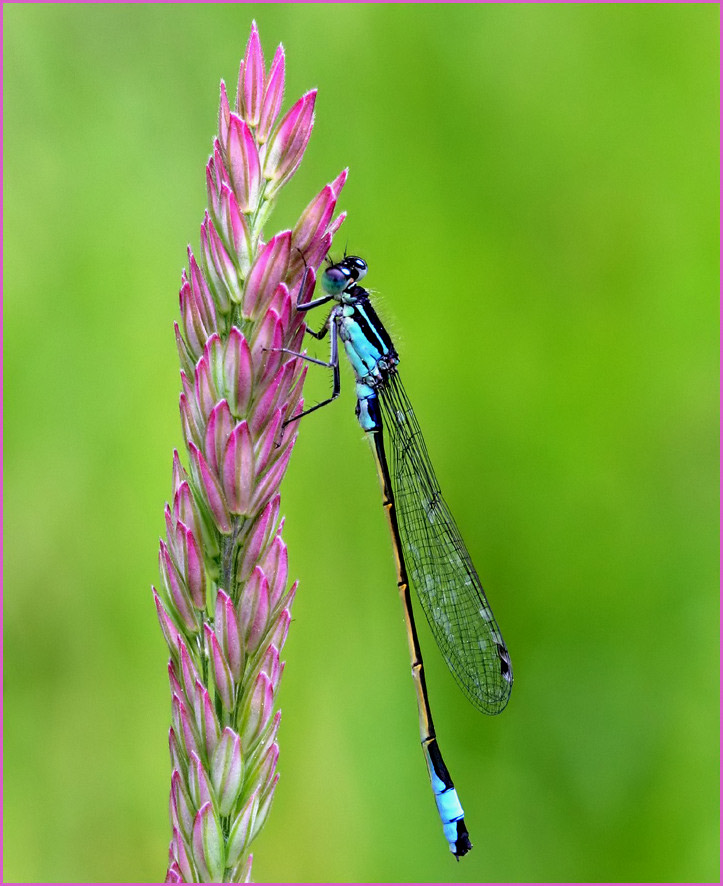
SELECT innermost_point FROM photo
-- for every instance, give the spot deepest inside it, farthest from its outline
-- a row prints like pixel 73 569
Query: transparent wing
pixel 439 566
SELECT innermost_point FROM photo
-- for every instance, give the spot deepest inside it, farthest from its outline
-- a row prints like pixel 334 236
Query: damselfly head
pixel 340 277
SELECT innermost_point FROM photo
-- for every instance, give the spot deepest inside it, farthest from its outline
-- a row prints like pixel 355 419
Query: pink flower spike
pixel 198 781
pixel 183 725
pixel 243 164
pixel 280 304
pixel 273 96
pixel 206 721
pixel 213 352
pixel 179 474
pixel 242 872
pixel 266 354
pixel 176 688
pixel 265 805
pixel 314 219
pixel 184 508
pixel 223 563
pixel 280 630
pixel 237 230
pixel 195 332
pixel 272 667
pixel 265 275
pixel 238 372
pixel 221 176
pixel 276 563
pixel 266 445
pixel 296 340
pixel 213 190
pixel 194 572
pixel 238 104
pixel 228 633
pixel 204 300
pixel 241 829
pixel 295 406
pixel 185 356
pixel 177 591
pixel 220 670
pixel 170 632
pixel 264 406
pixel 268 765
pixel 177 762
pixel 288 143
pixel 256 587
pixel 224 112
pixel 218 430
pixel 239 473
pixel 213 265
pixel 288 602
pixel 223 264
pixel 253 610
pixel 208 846
pixel 259 537
pixel 193 393
pixel 189 676
pixel 282 307
pixel 318 249
pixel 269 482
pixel 267 738
pixel 174 819
pixel 211 487
pixel 280 388
pixel 258 711
pixel 184 862
pixel 253 78
pixel 181 804
pixel 339 182
pixel 227 770
pixel 188 420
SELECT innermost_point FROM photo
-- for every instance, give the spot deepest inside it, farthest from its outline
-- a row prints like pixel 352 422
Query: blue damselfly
pixel 429 551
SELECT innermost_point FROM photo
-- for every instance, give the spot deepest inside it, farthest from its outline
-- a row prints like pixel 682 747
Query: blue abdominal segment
pixel 448 804
pixel 367 407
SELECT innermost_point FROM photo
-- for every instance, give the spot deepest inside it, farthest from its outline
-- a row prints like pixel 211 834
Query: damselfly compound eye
pixel 357 266
pixel 336 279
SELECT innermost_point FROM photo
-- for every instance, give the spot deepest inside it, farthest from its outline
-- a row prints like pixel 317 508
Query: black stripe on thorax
pixel 369 323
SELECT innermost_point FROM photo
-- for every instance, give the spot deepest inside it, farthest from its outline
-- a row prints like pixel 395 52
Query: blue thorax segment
pixel 370 352
pixel 366 341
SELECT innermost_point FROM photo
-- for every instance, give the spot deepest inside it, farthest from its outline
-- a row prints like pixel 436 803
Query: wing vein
pixel 439 565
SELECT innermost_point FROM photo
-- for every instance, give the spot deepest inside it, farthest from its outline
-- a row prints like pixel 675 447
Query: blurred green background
pixel 535 189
